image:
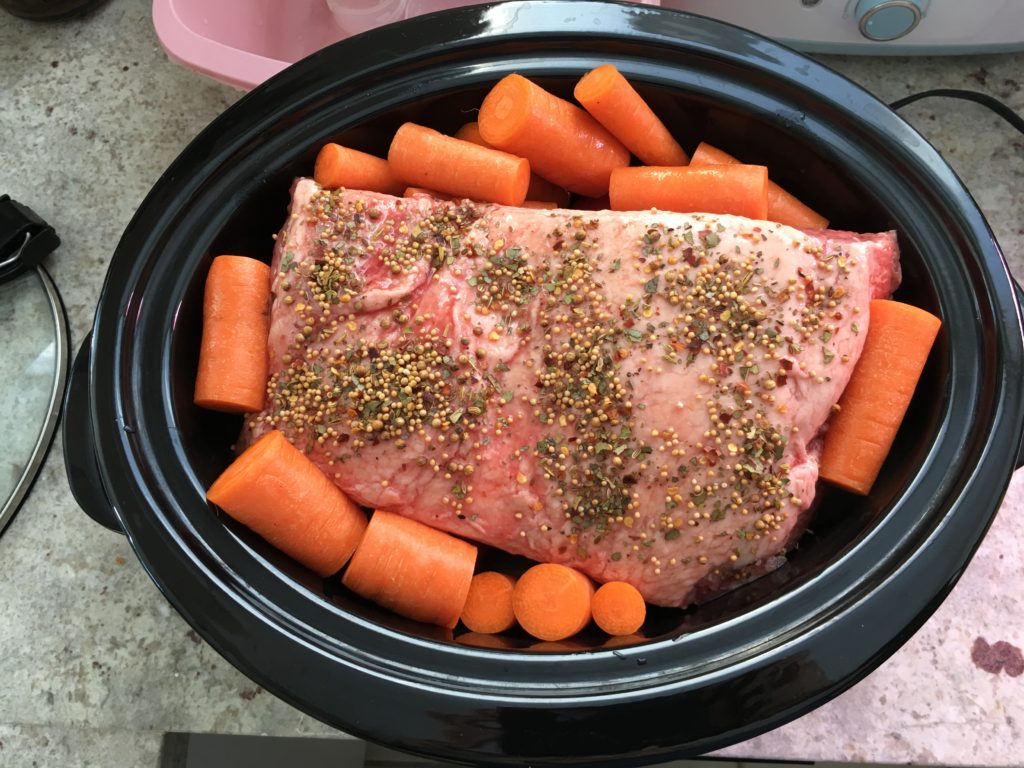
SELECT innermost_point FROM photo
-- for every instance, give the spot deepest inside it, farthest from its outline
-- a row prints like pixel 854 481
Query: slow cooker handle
pixel 80 445
pixel 1020 303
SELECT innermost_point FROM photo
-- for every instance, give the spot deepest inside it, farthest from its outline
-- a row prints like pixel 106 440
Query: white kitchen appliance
pixel 876 26
pixel 243 42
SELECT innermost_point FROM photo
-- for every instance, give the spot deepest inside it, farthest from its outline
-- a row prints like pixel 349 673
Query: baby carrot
pixel 421 192
pixel 471 132
pixel 740 190
pixel 552 601
pixel 899 339
pixel 616 105
pixel 233 372
pixel 782 206
pixel 540 189
pixel 563 143
pixel 618 608
pixel 275 490
pixel 540 204
pixel 412 569
pixel 338 166
pixel 422 157
pixel 488 607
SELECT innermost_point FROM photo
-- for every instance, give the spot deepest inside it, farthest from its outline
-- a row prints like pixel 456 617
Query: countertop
pixel 96 665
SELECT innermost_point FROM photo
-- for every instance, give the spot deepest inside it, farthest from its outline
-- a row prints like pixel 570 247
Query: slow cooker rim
pixel 118 443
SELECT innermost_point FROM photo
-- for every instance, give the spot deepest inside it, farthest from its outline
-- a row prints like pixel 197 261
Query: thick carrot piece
pixel 488 607
pixel 552 601
pixel 233 363
pixel 616 105
pixel 540 190
pixel 275 490
pixel 740 190
pixel 412 569
pixel 618 608
pixel 423 157
pixel 564 144
pixel 899 339
pixel 782 206
pixel 338 166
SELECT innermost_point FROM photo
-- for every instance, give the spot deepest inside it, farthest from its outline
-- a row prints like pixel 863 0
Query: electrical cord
pixel 984 99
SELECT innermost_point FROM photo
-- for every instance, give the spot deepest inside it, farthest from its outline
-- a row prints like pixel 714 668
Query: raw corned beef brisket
pixel 637 395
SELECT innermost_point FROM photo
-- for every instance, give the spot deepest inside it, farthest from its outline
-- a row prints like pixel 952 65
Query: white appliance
pixel 243 42
pixel 876 27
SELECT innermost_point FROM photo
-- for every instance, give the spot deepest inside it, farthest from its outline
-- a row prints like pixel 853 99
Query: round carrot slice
pixel 552 601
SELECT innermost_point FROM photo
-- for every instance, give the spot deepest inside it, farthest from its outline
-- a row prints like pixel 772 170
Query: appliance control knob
pixel 888 19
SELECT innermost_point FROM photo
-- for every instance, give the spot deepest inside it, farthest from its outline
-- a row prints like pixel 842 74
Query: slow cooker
pixel 870 571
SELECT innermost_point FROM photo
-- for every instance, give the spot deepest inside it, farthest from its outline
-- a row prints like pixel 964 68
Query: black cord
pixel 1000 109
pixel 980 98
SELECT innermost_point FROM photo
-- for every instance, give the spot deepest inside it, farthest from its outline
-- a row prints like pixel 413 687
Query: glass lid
pixel 33 352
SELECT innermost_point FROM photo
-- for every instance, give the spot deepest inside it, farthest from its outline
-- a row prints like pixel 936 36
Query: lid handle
pixel 24 238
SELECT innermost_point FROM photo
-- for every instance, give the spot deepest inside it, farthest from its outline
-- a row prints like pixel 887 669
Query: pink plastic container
pixel 244 42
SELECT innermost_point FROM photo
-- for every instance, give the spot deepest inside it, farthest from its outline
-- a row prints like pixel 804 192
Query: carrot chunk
pixel 740 190
pixel 618 608
pixel 552 601
pixel 563 143
pixel 614 103
pixel 423 157
pixel 338 166
pixel 540 189
pixel 782 206
pixel 275 490
pixel 488 607
pixel 412 569
pixel 899 339
pixel 232 373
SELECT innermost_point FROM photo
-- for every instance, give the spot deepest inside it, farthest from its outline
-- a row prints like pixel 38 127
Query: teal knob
pixel 888 19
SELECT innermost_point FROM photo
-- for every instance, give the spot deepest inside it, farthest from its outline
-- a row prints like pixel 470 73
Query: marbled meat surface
pixel 637 395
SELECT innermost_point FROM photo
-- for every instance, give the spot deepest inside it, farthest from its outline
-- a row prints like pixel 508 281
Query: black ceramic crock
pixel 140 455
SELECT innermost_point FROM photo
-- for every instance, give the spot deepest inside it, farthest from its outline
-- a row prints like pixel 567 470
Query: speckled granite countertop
pixel 96 666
